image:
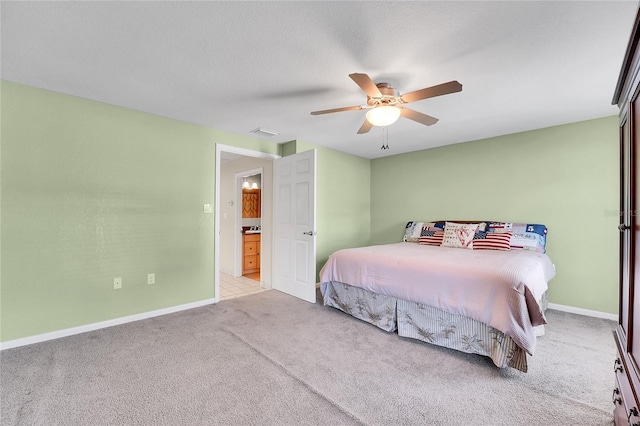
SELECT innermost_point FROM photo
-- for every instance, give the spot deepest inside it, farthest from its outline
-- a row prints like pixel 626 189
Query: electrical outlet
pixel 151 278
pixel 117 283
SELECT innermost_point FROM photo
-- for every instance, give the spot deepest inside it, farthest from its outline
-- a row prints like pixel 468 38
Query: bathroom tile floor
pixel 231 287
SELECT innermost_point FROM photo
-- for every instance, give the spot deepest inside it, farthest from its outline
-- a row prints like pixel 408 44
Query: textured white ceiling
pixel 238 65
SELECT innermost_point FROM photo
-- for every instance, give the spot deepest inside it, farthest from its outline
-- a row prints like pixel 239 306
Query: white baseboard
pixel 103 324
pixel 580 311
pixel 137 317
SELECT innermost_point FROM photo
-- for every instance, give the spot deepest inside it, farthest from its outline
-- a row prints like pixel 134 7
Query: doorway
pixel 288 266
pixel 239 169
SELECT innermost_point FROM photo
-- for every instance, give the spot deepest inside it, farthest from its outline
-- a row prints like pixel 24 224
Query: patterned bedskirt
pixel 426 323
pixel 371 307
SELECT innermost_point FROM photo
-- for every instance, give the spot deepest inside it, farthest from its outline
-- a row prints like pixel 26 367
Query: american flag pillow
pixel 492 241
pixel 431 238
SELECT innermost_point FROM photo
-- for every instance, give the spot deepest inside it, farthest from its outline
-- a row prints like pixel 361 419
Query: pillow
pixel 459 235
pixel 482 225
pixel 439 225
pixel 413 229
pixel 431 237
pixel 409 231
pixel 526 236
pixel 492 241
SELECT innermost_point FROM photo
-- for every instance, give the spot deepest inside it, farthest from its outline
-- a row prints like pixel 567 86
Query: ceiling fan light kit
pixel 385 103
pixel 383 115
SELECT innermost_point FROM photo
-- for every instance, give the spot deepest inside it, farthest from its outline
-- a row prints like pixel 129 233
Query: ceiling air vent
pixel 264 132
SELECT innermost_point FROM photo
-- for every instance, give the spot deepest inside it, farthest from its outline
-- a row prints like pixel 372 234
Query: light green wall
pixel 565 177
pixel 91 191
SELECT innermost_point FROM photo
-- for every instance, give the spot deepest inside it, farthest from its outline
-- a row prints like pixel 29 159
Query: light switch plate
pixel 208 208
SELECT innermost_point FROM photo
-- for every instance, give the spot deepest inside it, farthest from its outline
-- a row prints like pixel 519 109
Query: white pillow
pixel 413 231
pixel 414 234
pixel 459 235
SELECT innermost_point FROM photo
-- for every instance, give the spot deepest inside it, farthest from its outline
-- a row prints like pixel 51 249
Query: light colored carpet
pixel 270 359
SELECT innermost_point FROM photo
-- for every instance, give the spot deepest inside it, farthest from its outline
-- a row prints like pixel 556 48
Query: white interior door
pixel 295 224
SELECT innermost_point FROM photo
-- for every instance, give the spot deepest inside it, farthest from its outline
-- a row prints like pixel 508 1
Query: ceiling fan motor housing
pixel 390 96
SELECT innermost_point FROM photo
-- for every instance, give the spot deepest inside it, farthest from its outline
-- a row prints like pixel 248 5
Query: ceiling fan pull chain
pixel 385 138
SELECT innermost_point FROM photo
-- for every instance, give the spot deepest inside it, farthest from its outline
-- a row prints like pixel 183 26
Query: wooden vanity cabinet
pixel 250 253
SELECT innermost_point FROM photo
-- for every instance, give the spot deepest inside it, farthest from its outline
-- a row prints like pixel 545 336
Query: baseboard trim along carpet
pixel 103 324
pixel 580 311
pixel 137 317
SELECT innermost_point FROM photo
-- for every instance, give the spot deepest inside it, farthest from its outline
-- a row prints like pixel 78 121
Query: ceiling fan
pixel 385 104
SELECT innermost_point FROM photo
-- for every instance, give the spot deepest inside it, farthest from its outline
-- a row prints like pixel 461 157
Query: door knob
pixel 309 233
pixel 622 227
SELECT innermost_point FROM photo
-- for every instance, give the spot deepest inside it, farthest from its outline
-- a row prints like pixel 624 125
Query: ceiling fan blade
pixel 327 111
pixel 421 118
pixel 366 84
pixel 432 92
pixel 366 126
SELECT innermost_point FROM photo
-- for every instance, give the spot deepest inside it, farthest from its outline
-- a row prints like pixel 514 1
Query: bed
pixel 488 300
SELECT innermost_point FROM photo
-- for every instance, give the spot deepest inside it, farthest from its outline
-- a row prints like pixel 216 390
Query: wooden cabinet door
pixel 625 234
pixel 631 131
pixel 251 203
pixel 250 263
pixel 251 248
pixel 250 253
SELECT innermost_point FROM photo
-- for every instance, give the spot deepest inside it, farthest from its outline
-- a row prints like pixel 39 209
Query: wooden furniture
pixel 250 203
pixel 250 253
pixel 627 334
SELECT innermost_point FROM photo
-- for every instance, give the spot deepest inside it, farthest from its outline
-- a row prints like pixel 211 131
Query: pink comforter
pixel 498 288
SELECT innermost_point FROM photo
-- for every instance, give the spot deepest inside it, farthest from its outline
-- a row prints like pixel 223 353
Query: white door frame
pixel 237 261
pixel 216 247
